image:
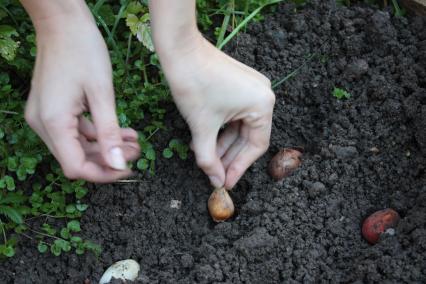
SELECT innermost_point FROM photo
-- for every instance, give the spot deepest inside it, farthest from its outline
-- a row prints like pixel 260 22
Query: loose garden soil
pixel 362 154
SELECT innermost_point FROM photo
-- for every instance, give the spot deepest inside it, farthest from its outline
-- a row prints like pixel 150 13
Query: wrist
pixel 53 17
pixel 180 46
pixel 174 26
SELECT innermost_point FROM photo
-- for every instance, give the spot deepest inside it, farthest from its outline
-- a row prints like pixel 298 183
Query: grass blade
pixel 245 22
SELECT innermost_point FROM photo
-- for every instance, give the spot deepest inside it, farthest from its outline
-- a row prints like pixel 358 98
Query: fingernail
pixel 215 181
pixel 117 159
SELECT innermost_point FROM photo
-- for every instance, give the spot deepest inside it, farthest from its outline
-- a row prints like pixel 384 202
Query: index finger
pixel 258 142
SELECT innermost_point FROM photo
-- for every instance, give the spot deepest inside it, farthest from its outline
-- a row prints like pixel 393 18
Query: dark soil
pixel 361 154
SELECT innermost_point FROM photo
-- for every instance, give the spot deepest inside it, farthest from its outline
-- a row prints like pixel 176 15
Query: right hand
pixel 72 75
pixel 213 90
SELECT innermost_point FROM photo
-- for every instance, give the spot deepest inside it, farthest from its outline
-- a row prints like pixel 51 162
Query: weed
pixel 178 147
pixel 340 93
pixel 26 198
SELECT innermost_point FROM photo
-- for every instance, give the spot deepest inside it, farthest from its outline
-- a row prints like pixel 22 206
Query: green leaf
pixel 74 226
pixel 81 207
pixel 141 29
pixel 79 250
pixel 8 48
pixel 10 183
pixel 70 209
pixel 76 239
pixel 65 233
pixel 7 31
pixel 67 188
pixel 106 13
pixel 142 164
pixel 62 244
pixel 3 14
pixel 48 189
pixel 50 177
pixel 67 247
pixel 145 18
pixel 80 192
pixel 150 154
pixel 134 7
pixel 174 143
pixel 55 249
pixel 29 164
pixel 42 247
pixel 21 173
pixel 341 94
pixel 11 213
pixel 167 153
pixel 183 155
pixel 48 229
pixel 12 163
pixel 132 22
pixel 7 250
pixel 143 34
pixel 20 228
pixel 13 197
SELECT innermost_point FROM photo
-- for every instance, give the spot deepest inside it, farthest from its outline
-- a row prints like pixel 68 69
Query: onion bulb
pixel 220 205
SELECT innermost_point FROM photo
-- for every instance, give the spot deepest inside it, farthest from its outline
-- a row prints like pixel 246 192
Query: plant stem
pixel 8 112
pixel 42 234
pixel 275 84
pixel 4 232
pixel 10 14
pixel 45 215
pixel 98 5
pixel 117 19
pixel 152 134
pixel 126 69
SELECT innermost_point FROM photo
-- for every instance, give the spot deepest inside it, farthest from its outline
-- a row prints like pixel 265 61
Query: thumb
pixel 102 108
pixel 204 146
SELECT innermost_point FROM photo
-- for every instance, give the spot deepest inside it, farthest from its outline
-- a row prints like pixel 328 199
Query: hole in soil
pixel 239 195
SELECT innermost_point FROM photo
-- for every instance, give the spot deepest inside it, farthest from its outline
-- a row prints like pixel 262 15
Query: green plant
pixel 26 198
pixel 340 93
pixel 178 147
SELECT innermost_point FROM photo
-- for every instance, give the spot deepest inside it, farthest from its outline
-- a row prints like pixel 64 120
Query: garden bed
pixel 363 153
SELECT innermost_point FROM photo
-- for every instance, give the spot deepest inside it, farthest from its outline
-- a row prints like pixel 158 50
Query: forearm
pixel 174 25
pixel 49 16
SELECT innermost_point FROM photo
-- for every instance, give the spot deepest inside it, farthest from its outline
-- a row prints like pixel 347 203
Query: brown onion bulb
pixel 284 163
pixel 220 205
pixel 377 224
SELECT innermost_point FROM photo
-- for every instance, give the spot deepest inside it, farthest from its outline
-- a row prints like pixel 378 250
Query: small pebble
pixel 175 204
pixel 390 232
pixel 374 150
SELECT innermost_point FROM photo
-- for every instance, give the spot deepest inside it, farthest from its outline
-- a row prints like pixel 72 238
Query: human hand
pixel 211 90
pixel 72 75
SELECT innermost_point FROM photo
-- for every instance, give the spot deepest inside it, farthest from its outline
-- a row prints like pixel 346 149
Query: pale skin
pixel 72 75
